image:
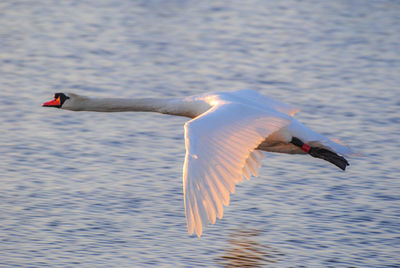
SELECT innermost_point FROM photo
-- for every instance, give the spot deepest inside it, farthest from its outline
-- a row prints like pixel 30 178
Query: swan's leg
pixel 322 153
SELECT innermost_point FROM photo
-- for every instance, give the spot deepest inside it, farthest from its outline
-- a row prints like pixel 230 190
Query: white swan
pixel 223 141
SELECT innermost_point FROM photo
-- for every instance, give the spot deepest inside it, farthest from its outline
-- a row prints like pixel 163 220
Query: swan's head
pixel 58 101
pixel 67 101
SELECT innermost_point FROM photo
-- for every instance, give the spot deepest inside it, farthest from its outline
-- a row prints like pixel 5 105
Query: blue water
pixel 105 190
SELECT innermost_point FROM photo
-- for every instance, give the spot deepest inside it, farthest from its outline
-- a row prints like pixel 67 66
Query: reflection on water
pixel 244 250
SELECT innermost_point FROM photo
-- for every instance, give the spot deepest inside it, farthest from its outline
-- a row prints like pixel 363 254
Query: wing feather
pixel 220 152
pixel 209 202
pixel 246 172
pixel 189 211
pixel 252 166
pixel 265 101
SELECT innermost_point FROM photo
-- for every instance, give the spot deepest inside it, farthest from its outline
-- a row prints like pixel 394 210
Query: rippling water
pixel 92 189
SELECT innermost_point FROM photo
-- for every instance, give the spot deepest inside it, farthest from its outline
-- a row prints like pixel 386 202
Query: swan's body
pixel 223 141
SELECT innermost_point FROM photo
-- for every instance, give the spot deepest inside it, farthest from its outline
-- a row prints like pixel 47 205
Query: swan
pixel 223 140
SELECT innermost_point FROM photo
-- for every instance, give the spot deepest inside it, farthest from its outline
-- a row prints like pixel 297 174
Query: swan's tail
pixel 322 153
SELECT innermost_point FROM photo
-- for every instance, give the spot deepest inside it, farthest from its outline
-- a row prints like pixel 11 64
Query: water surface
pixel 105 190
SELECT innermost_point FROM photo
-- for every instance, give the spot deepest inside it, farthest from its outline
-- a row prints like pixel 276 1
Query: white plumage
pixel 223 141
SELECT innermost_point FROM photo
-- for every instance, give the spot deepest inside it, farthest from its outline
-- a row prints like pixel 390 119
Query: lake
pixel 105 190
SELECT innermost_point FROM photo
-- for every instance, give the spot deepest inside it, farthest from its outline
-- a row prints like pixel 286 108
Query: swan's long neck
pixel 181 107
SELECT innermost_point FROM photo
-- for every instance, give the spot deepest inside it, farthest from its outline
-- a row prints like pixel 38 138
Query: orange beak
pixel 53 103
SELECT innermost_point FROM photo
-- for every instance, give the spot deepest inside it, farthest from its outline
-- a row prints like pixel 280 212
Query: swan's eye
pixel 61 95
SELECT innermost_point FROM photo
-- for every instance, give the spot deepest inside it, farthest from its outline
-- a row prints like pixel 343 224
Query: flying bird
pixel 223 140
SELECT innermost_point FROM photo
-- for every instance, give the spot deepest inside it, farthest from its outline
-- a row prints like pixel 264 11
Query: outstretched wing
pixel 220 152
pixel 265 101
